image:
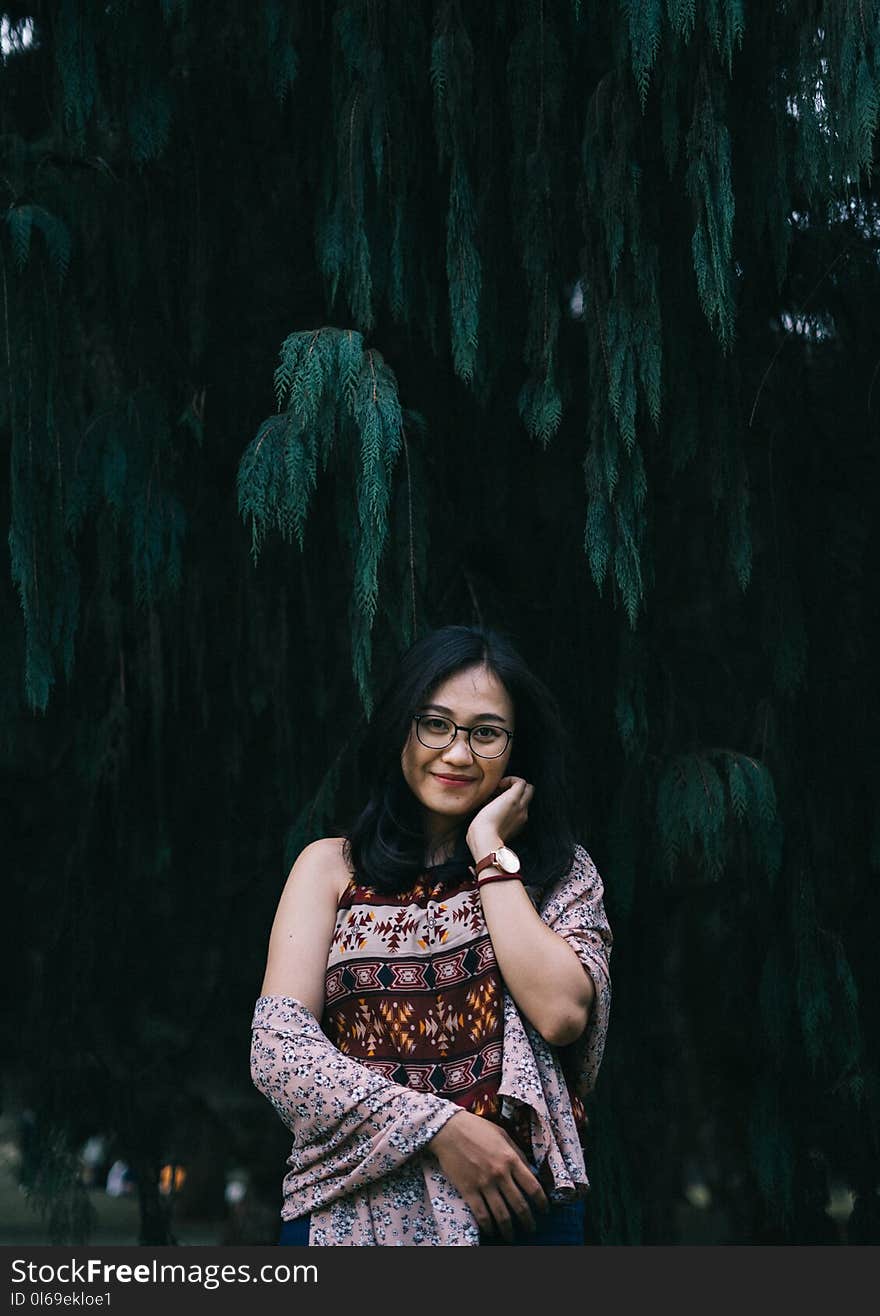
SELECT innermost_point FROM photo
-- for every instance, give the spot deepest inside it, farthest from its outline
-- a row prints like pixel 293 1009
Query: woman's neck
pixel 440 845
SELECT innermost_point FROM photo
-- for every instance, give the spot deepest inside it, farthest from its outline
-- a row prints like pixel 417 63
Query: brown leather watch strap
pixel 499 877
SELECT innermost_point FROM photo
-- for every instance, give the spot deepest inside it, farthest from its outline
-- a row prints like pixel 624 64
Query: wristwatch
pixel 503 858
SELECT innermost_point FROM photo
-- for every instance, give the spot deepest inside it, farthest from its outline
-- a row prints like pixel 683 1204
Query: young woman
pixel 462 986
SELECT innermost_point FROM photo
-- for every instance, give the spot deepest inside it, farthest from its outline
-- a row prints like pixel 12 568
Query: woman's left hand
pixel 505 814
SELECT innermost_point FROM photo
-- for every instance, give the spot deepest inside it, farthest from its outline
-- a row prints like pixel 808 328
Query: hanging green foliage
pixel 693 802
pixel 623 260
pixel 452 60
pixel 341 400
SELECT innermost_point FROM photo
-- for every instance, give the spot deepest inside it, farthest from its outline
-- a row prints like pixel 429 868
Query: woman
pixel 462 988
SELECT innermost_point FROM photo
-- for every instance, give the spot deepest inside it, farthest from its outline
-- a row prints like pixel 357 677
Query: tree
pixel 569 308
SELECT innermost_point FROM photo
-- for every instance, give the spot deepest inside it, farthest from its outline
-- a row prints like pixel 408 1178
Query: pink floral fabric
pixel 360 1162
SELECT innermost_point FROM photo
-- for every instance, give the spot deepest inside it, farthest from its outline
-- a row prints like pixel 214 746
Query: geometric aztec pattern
pixel 413 991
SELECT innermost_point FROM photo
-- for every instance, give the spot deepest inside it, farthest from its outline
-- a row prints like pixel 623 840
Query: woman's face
pixel 453 783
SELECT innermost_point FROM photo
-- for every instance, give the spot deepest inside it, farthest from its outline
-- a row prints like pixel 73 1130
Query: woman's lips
pixel 453 781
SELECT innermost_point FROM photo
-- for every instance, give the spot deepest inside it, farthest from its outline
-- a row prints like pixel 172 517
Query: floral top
pixel 360 1162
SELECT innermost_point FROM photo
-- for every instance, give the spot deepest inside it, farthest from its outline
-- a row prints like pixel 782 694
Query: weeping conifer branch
pixel 342 407
pixel 452 67
pixel 696 796
pixel 621 272
pixel 710 188
pixel 279 28
pixel 536 72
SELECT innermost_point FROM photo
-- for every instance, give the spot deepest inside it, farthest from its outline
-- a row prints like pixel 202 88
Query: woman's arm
pixel 303 928
pixel 542 971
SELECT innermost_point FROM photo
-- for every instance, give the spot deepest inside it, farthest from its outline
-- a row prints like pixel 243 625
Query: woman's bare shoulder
pixel 304 920
pixel 325 862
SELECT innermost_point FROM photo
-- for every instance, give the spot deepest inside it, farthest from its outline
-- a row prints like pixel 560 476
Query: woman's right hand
pixel 491 1173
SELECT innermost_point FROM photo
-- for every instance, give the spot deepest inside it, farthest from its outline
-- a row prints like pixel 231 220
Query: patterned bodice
pixel 413 991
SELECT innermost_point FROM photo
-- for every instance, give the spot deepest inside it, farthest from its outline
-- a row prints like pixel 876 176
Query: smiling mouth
pixel 457 781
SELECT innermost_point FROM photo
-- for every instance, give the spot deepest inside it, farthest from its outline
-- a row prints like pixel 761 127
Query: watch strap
pixel 499 877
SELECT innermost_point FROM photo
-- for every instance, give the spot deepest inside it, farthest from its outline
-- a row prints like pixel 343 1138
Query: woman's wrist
pixel 482 843
pixel 443 1135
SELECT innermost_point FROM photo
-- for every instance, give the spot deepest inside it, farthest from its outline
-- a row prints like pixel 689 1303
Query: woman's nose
pixel 460 750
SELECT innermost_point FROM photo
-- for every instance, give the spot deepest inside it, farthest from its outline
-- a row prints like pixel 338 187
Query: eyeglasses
pixel 486 741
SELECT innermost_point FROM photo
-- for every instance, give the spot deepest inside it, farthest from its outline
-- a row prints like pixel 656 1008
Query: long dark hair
pixel 386 845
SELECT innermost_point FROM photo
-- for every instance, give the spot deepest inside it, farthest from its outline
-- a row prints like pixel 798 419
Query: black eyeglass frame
pixel 417 717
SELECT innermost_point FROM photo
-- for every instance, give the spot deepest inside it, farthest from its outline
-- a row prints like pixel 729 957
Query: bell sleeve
pixel 351 1126
pixel 573 908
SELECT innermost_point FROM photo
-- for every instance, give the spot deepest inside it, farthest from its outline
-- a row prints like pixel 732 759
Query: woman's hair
pixel 386 845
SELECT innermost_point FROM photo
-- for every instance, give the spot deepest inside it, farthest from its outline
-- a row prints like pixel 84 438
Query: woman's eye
pixel 488 734
pixel 436 724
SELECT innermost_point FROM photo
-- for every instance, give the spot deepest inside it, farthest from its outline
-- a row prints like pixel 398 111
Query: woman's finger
pixel 500 1213
pixel 531 1187
pixel 519 1205
pixel 482 1214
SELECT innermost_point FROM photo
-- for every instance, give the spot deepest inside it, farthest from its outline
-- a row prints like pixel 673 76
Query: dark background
pixel 615 270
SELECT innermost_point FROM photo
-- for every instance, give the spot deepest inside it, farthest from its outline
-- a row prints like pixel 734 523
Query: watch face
pixel 507 860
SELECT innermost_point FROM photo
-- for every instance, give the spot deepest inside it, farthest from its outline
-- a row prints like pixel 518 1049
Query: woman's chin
pixel 446 808
pixel 450 811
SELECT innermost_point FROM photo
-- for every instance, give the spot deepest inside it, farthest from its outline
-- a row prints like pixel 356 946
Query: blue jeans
pixel 561 1226
pixel 295 1233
